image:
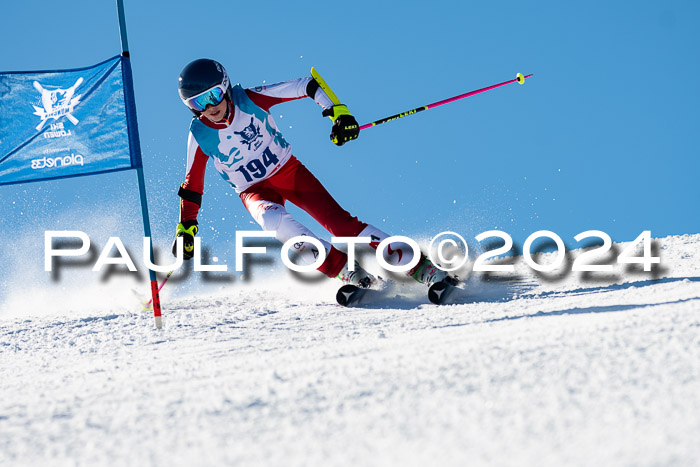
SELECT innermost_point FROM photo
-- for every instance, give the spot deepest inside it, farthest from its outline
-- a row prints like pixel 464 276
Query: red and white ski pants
pixel 265 201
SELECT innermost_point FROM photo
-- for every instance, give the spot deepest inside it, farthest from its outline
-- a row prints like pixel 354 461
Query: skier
pixel 233 126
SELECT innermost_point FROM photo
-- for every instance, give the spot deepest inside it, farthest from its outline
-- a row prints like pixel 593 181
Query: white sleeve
pixel 192 147
pixel 273 94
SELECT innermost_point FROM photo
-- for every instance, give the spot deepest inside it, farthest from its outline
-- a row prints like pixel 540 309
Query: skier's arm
pixel 267 96
pixel 191 191
pixel 345 127
pixel 190 194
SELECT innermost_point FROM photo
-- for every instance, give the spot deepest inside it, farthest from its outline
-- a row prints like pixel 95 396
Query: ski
pixel 440 292
pixel 351 295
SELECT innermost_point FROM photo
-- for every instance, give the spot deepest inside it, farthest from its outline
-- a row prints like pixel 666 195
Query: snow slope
pixel 564 371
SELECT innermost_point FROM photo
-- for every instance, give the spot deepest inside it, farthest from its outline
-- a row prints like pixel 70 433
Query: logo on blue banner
pixel 57 103
pixel 64 123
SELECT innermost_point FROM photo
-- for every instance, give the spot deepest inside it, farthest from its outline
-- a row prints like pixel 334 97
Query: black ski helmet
pixel 200 75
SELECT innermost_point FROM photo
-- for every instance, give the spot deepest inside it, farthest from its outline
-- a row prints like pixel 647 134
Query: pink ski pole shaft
pixel 518 79
pixel 147 305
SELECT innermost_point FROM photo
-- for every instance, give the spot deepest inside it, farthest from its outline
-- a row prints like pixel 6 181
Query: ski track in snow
pixel 522 372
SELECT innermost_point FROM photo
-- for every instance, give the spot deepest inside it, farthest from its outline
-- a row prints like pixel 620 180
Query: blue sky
pixel 604 136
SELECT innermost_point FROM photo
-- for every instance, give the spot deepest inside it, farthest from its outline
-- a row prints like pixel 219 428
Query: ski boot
pixel 441 284
pixel 427 273
pixel 358 277
pixel 357 285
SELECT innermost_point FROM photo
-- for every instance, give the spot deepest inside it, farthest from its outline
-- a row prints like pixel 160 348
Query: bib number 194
pixel 257 168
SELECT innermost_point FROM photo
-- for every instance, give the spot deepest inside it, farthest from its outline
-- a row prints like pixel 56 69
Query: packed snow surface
pixel 571 370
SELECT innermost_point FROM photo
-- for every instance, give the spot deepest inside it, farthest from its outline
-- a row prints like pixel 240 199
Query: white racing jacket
pixel 247 147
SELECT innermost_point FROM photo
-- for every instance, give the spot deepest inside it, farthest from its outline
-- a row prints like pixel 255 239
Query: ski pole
pixel 147 305
pixel 519 78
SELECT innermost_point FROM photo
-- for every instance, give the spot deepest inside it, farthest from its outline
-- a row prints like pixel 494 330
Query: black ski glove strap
pixel 311 88
pixel 345 128
pixel 189 195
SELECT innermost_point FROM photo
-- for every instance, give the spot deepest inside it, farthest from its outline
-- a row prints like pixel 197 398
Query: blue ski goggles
pixel 212 96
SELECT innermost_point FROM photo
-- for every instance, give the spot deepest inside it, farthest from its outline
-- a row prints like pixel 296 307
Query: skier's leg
pixel 401 254
pixel 297 184
pixel 301 187
pixel 396 253
pixel 267 209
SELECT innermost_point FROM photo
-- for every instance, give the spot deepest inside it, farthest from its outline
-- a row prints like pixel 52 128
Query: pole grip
pixel 327 89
